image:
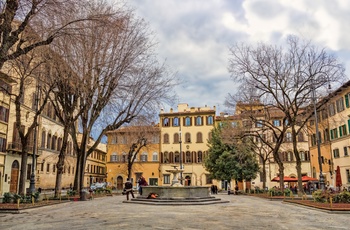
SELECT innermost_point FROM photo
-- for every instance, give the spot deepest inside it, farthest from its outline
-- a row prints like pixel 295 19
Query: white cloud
pixel 194 35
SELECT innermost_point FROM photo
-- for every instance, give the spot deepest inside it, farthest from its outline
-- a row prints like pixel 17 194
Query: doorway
pixel 14 177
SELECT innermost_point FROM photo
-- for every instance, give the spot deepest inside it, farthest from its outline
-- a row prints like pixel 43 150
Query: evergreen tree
pixel 227 161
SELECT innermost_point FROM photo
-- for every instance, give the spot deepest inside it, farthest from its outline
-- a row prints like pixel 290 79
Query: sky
pixel 194 37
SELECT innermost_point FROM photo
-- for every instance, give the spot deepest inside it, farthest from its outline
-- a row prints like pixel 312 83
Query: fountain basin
pixel 173 192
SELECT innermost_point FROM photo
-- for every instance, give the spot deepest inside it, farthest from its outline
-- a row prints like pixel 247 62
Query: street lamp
pixel 180 141
pixel 318 141
pixel 32 175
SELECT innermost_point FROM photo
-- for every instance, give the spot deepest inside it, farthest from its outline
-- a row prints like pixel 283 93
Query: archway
pixel 187 181
pixel 120 183
pixel 14 177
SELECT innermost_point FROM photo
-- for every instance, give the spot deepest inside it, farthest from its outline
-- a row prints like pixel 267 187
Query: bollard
pixel 291 195
pixel 33 200
pixel 18 200
pixel 331 201
pixel 59 195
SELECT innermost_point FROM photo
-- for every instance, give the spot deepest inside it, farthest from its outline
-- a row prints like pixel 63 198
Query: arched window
pixel 188 157
pixel 59 143
pixel 155 156
pixel 53 143
pixel 300 137
pixel 200 157
pixel 166 138
pixel 199 137
pixel 176 121
pixel 176 138
pixel 177 157
pixel 210 120
pixel 166 158
pixel 166 122
pixel 198 120
pixel 48 141
pixel 43 139
pixel 187 138
pixel 187 121
pixel 143 157
pixel 124 158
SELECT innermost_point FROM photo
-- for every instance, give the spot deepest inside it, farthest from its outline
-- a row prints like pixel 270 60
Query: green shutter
pixel 332 134
pixel 340 132
pixel 347 100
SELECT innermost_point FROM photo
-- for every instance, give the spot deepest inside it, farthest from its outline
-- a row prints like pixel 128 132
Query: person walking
pixel 128 189
pixel 142 182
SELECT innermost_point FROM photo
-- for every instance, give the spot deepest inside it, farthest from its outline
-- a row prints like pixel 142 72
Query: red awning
pixel 307 178
pixel 286 179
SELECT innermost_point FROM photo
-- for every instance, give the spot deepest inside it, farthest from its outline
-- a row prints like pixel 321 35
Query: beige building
pixel 183 143
pixel 334 129
pixel 243 118
pixel 123 144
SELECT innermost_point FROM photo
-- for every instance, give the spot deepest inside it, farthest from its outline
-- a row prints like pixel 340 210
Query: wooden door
pixel 14 177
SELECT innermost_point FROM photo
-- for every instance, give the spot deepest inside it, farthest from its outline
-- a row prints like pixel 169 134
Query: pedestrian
pixel 236 189
pixel 128 189
pixel 141 182
pixel 216 189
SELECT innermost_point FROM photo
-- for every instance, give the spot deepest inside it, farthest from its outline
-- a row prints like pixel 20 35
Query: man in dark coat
pixel 128 189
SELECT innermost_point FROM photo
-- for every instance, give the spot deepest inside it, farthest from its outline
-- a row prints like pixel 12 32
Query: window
pixel 2 144
pixel 176 121
pixel 334 134
pixel 277 123
pixel 188 157
pixel 348 175
pixel 259 124
pixel 187 138
pixel 42 167
pixel 300 137
pixel 143 157
pixel 155 156
pixel 187 121
pixel 47 167
pixel 4 114
pixel 347 100
pixel 346 151
pixel 200 157
pixel 54 168
pixel 336 153
pixel 210 120
pixel 166 178
pixel 208 179
pixel 199 137
pixel 247 124
pixel 48 141
pixel 114 139
pixel 326 135
pixel 166 122
pixel 166 138
pixel 198 120
pixel 288 137
pixel 340 105
pixel 166 158
pixel 177 157
pixel 5 87
pixel 342 131
pixel 176 138
pixel 114 157
pixel 331 109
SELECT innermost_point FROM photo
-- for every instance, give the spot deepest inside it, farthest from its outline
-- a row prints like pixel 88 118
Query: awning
pixel 307 178
pixel 285 179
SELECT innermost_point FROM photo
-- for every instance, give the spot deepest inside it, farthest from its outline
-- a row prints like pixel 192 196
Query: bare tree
pixel 285 79
pixel 119 77
pixel 27 72
pixel 28 24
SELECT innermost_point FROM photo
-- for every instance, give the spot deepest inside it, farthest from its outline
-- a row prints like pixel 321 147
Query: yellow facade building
pixel 183 143
pixel 122 145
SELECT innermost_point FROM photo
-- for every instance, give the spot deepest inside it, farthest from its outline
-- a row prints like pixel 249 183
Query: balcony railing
pixel 17 147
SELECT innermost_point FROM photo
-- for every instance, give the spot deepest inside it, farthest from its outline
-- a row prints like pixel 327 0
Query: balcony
pixel 17 147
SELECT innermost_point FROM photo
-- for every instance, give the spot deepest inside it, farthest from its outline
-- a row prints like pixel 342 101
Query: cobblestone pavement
pixel 243 212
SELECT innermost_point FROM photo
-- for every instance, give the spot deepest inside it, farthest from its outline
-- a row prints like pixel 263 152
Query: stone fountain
pixel 176 193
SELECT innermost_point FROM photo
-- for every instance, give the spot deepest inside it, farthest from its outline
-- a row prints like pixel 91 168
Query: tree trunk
pixel 264 174
pixel 298 161
pixel 23 174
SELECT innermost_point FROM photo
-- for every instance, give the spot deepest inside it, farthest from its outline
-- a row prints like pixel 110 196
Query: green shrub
pixel 343 197
pixel 321 195
pixel 8 197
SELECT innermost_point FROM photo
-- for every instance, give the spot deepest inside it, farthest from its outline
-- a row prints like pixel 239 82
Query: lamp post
pixel 32 175
pixel 318 141
pixel 180 141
